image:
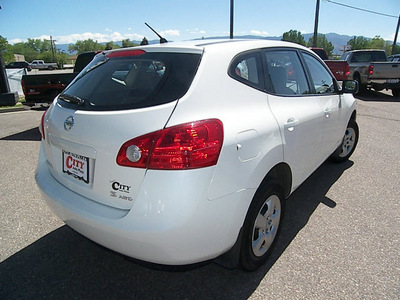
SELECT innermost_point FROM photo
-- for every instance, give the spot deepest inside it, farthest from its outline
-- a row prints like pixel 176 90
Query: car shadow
pixel 372 95
pixel 32 134
pixel 65 265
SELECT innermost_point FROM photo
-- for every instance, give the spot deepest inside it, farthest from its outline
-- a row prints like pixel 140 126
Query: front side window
pixel 285 73
pixel 321 78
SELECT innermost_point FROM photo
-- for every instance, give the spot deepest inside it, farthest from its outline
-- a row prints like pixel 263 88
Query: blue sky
pixel 71 20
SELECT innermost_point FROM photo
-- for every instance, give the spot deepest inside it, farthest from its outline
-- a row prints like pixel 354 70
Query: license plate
pixel 393 80
pixel 76 165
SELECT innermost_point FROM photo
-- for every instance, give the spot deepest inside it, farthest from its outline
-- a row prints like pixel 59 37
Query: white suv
pixel 178 153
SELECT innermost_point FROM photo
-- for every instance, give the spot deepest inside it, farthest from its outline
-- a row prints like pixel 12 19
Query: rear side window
pixel 247 68
pixel 131 79
pixel 285 73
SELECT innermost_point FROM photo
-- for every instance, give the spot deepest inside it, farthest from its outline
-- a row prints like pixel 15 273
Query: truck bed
pixel 339 68
pixel 43 88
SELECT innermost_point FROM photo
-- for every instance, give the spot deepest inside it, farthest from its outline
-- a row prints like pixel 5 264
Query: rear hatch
pixel 119 96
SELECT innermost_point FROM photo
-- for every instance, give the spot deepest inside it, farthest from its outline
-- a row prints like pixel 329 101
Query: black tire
pixel 349 143
pixel 396 92
pixel 361 87
pixel 261 226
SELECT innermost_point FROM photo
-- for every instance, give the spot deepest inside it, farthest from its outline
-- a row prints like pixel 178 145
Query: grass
pixel 18 105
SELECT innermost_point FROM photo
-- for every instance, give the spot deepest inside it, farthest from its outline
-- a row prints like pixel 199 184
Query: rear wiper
pixel 72 99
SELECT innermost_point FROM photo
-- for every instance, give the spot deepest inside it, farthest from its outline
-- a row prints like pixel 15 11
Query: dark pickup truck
pixel 43 88
pixel 339 68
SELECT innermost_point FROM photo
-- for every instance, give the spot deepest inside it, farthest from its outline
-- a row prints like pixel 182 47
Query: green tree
pixel 6 51
pixel 388 48
pixel 377 43
pixel 111 45
pixel 3 44
pixel 39 45
pixel 322 42
pixel 358 42
pixel 294 36
pixel 127 43
pixel 47 56
pixel 26 50
pixel 144 42
pixel 85 46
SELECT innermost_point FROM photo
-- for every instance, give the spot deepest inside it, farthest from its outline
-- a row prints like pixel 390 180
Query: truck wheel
pixel 361 87
pixel 396 92
pixel 50 68
pixel 261 226
pixel 348 145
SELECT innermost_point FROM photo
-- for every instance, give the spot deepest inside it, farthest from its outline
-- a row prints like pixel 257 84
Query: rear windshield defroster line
pixel 129 82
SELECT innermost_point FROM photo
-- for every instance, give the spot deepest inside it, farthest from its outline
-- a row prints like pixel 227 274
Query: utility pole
pixel 395 36
pixel 52 47
pixel 231 21
pixel 316 25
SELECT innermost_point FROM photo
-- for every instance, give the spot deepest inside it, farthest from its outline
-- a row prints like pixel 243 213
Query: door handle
pixel 327 112
pixel 291 123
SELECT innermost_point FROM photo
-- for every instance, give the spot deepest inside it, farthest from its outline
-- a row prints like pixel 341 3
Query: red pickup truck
pixel 339 68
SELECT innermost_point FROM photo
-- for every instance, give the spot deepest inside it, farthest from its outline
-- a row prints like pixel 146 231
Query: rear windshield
pixel 368 56
pixel 125 81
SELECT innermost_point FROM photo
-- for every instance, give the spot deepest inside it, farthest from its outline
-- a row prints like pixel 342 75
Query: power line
pixel 362 9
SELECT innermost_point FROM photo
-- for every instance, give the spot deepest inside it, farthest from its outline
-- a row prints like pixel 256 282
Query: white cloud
pixel 116 36
pixel 43 37
pixel 196 31
pixel 258 32
pixel 170 32
pixel 99 37
pixel 390 37
pixel 14 41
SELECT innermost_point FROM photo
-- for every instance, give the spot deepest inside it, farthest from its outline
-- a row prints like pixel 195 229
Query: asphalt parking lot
pixel 340 239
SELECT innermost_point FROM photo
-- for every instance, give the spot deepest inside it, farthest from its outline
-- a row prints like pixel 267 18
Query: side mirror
pixel 349 86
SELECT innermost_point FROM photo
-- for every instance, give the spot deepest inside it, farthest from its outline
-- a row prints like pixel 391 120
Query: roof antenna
pixel 162 40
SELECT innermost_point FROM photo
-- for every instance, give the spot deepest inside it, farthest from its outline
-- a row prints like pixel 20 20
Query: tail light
pixel 124 53
pixel 371 70
pixel 23 86
pixel 186 146
pixel 41 127
pixel 347 70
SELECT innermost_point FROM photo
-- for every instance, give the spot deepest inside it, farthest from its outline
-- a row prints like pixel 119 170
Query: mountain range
pixel 337 40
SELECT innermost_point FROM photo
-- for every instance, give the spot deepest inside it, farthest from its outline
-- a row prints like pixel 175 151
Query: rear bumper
pixel 174 224
pixel 384 83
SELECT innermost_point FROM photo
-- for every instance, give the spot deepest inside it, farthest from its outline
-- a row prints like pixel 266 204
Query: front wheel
pixel 261 226
pixel 349 143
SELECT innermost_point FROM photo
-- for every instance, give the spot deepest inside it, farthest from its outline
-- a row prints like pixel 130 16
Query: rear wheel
pixel 349 143
pixel 261 226
pixel 361 87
